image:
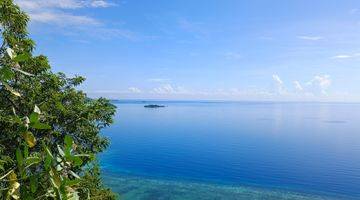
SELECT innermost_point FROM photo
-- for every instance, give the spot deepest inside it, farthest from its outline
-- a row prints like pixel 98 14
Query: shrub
pixel 49 130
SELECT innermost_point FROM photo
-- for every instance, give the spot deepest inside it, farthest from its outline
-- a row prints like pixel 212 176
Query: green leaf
pixel 34 118
pixel 22 57
pixel 48 159
pixel 15 119
pixel 68 145
pixel 68 141
pixel 59 105
pixel 29 139
pixel 47 162
pixel 26 151
pixel 41 126
pixel 6 74
pixel 19 157
pixel 48 152
pixel 31 161
pixel 69 182
pixel 77 161
pixel 33 184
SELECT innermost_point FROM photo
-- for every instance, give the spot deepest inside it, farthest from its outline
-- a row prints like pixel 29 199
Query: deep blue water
pixel 306 147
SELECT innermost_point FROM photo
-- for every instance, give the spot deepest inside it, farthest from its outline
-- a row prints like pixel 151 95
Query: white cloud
pixel 251 92
pixel 159 80
pixel 279 84
pixel 319 83
pixel 298 87
pixel 169 89
pixel 277 79
pixel 32 5
pixel 165 89
pixel 312 38
pixel 342 56
pixel 134 90
pixel 61 4
pixel 102 4
pixel 317 89
pixel 346 56
pixel 62 19
pixel 57 11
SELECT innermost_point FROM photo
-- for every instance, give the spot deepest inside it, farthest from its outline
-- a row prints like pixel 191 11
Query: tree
pixel 49 130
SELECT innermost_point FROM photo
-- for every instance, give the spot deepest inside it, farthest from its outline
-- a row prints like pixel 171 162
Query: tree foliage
pixel 49 130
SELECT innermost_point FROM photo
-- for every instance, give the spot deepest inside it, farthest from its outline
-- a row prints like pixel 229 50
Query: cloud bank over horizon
pixel 315 89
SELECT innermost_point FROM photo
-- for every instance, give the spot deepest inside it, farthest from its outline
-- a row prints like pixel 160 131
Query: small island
pixel 154 106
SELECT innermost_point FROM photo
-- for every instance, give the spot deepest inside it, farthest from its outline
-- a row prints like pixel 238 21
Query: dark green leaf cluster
pixel 49 130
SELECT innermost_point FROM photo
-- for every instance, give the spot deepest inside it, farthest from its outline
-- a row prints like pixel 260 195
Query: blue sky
pixel 296 50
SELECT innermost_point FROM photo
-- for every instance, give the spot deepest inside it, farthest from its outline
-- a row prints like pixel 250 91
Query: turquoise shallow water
pixel 234 150
pixel 140 188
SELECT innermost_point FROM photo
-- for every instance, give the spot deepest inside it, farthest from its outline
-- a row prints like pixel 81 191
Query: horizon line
pixel 233 101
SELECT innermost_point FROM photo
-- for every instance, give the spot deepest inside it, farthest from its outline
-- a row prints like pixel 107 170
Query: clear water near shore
pixel 140 188
pixel 229 150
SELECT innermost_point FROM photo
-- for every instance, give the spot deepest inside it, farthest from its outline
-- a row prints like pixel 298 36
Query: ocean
pixel 233 150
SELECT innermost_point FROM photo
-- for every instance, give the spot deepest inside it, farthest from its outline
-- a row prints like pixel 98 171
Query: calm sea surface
pixel 228 150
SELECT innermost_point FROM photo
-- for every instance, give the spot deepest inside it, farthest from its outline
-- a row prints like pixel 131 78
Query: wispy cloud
pixel 159 80
pixel 134 90
pixel 60 15
pixel 62 18
pixel 279 84
pixel 59 11
pixel 277 79
pixel 317 86
pixel 320 83
pixel 169 89
pixel 56 12
pixel 102 4
pixel 128 91
pixel 311 38
pixel 346 56
pixel 62 4
pixel 298 87
pixel 233 55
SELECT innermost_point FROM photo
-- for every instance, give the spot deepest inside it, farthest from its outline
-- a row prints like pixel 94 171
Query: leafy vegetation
pixel 49 130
